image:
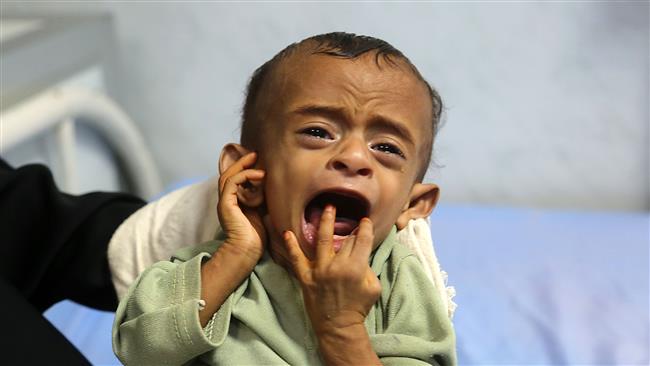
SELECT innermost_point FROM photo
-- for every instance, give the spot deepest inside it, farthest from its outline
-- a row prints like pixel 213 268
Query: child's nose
pixel 353 159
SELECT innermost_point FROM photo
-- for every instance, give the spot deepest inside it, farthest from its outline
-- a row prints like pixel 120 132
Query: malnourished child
pixel 337 134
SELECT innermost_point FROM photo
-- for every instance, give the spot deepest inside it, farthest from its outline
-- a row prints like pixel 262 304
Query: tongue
pixel 342 225
pixel 314 214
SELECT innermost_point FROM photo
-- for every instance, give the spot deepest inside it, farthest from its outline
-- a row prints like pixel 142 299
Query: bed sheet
pixel 546 287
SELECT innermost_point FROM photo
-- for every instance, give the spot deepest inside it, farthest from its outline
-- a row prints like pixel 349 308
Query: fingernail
pixel 329 208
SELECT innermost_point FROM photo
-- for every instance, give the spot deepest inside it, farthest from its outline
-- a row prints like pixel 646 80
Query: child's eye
pixel 389 149
pixel 317 132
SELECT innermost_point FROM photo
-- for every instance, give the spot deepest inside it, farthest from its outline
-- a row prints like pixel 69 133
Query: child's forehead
pixel 316 78
pixel 304 66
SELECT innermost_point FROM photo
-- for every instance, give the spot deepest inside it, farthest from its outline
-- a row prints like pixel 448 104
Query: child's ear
pixel 229 156
pixel 250 194
pixel 422 200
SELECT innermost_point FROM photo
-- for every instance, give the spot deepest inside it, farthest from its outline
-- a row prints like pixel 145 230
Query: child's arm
pixel 339 290
pixel 159 321
pixel 245 239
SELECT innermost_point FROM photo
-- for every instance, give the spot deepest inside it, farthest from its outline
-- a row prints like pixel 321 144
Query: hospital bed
pixel 533 286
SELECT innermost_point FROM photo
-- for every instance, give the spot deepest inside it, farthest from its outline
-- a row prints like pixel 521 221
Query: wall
pixel 547 103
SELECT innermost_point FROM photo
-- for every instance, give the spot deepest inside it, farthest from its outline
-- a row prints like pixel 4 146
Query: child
pixel 336 137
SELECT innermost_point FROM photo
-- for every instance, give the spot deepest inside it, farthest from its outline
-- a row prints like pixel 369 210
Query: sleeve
pixel 157 322
pixel 416 328
pixel 54 245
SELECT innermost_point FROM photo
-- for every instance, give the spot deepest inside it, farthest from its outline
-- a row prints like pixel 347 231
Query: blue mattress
pixel 534 287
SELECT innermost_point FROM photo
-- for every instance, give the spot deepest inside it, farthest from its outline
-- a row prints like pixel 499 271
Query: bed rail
pixel 62 109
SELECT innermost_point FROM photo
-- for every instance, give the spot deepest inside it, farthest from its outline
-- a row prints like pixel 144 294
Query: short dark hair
pixel 336 44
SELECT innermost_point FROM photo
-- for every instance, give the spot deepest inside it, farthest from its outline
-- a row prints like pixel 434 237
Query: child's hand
pixel 245 233
pixel 245 236
pixel 339 288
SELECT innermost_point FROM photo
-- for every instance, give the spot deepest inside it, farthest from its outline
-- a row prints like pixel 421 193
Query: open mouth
pixel 351 207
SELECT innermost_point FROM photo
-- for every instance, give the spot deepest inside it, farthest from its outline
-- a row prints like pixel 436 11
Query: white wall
pixel 547 104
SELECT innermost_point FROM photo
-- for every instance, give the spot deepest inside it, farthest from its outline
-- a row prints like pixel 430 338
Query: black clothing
pixel 53 246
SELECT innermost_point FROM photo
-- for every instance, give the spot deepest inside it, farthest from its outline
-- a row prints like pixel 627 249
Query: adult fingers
pixel 244 162
pixel 324 245
pixel 364 240
pixel 297 259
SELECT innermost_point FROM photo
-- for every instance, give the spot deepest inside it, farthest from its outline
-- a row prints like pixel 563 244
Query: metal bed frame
pixel 61 109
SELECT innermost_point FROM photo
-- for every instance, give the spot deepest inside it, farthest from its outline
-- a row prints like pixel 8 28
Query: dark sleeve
pixel 54 245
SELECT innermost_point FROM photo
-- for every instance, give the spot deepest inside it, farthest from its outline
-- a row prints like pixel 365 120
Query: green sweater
pixel 264 321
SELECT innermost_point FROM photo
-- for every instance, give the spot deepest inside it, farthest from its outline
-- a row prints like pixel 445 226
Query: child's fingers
pixel 228 191
pixel 364 240
pixel 244 162
pixel 346 249
pixel 324 245
pixel 297 258
pixel 348 244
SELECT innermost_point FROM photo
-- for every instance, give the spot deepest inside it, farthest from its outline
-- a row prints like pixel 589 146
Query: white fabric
pixel 417 237
pixel 189 216
pixel 153 233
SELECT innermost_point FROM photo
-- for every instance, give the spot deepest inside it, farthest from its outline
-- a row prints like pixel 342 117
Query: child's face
pixel 343 132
